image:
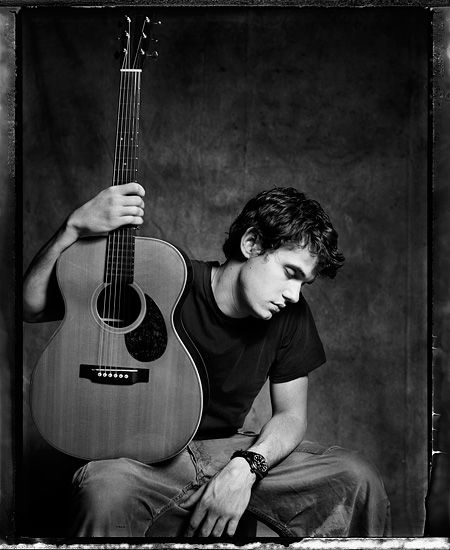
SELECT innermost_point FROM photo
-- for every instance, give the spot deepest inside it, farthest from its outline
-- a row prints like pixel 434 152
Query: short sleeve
pixel 300 350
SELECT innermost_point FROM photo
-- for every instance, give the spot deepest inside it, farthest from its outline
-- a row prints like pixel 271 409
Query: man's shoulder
pixel 202 265
pixel 201 268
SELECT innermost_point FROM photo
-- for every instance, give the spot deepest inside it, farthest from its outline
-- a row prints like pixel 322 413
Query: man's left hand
pixel 220 503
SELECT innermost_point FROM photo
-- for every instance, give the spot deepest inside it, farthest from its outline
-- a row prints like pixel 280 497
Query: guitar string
pixel 117 291
pixel 133 154
pixel 133 128
pixel 128 166
pixel 125 165
pixel 134 132
pixel 134 123
pixel 127 234
pixel 113 313
pixel 111 239
pixel 118 283
pixel 115 244
pixel 102 358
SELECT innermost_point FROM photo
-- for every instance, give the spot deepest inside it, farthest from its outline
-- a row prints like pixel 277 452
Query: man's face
pixel 272 280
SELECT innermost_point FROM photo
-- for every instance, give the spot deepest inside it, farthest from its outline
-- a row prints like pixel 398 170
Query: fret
pixel 120 256
pixel 119 264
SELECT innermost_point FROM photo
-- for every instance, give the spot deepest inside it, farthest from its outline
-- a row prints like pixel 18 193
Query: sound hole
pixel 118 305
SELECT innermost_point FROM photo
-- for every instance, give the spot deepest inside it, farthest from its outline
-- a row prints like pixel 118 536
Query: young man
pixel 249 321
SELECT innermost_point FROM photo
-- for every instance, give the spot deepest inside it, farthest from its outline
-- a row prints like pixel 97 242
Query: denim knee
pixel 361 475
pixel 104 484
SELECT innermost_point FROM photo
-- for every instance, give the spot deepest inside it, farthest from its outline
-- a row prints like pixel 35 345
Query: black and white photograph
pixel 229 310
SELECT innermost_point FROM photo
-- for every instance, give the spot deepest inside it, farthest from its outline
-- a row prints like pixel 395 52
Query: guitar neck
pixel 120 247
pixel 127 134
pixel 119 264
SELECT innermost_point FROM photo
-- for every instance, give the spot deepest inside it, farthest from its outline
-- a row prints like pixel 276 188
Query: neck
pixel 225 284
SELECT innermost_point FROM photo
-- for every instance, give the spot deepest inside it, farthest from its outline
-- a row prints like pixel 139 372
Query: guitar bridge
pixel 118 376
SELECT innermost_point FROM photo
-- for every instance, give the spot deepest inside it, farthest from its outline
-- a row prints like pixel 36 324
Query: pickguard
pixel 148 342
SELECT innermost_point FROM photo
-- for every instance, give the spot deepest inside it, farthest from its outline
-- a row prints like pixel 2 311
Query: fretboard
pixel 120 246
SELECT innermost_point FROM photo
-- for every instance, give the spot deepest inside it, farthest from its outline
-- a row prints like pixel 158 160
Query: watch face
pixel 260 463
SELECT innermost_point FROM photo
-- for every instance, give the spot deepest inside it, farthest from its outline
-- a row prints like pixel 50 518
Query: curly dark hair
pixel 283 216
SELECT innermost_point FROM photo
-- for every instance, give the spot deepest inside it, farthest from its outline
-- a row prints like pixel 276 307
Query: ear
pixel 251 244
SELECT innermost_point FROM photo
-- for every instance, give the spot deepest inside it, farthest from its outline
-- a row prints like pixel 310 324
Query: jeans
pixel 314 492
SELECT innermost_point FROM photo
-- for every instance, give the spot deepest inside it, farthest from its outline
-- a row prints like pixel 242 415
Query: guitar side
pixel 79 403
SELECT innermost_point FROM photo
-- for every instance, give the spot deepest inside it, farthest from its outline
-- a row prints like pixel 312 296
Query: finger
pixel 132 200
pixel 132 188
pixel 132 211
pixel 131 220
pixel 219 527
pixel 232 526
pixel 194 498
pixel 208 525
pixel 195 521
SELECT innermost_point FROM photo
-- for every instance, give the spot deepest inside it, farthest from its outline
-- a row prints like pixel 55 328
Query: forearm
pixel 279 437
pixel 38 277
pixel 112 208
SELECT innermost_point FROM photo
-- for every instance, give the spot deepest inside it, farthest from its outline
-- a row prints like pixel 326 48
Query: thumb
pixel 194 498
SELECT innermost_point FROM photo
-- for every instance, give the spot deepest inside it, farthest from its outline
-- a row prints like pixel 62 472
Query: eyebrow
pixel 300 271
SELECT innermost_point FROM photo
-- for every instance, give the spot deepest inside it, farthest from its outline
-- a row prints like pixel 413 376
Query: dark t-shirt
pixel 239 354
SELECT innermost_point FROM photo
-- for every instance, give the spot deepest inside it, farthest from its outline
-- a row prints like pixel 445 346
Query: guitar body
pixel 108 389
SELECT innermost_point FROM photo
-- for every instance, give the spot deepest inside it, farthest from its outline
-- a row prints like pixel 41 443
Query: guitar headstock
pixel 137 48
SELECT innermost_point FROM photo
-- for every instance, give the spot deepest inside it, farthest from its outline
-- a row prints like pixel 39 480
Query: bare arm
pixel 111 208
pixel 221 503
pixel 287 427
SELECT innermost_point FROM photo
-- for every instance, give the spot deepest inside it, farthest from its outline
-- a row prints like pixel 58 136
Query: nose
pixel 292 291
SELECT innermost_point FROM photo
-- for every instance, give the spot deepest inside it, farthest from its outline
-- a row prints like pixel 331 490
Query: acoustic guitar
pixel 120 376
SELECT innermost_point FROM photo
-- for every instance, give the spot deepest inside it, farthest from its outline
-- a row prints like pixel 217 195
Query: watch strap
pixel 258 464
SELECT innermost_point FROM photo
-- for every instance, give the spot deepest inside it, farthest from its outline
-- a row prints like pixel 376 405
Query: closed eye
pixel 292 272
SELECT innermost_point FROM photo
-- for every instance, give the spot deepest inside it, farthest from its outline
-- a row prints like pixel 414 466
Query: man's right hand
pixel 113 207
pixel 116 206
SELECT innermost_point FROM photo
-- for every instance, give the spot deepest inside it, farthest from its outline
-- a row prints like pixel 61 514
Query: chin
pixel 265 315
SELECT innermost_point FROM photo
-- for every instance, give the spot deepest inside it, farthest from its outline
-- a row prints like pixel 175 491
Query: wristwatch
pixel 258 464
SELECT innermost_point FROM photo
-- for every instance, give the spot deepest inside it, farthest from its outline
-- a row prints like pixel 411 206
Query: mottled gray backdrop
pixel 330 101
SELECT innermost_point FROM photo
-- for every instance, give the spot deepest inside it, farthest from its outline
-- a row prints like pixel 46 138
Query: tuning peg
pixel 153 54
